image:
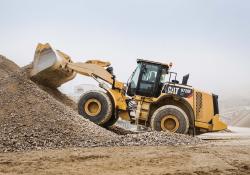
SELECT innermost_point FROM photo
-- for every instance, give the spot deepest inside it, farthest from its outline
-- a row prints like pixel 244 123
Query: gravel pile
pixel 6 67
pixel 155 138
pixel 31 118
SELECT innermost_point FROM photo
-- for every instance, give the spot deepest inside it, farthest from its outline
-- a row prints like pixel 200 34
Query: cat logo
pixel 173 90
pixel 176 90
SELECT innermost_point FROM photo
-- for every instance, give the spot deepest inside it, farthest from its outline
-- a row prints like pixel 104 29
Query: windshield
pixel 132 83
pixel 149 73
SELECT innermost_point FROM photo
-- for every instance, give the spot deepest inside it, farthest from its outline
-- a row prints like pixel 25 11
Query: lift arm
pixel 89 69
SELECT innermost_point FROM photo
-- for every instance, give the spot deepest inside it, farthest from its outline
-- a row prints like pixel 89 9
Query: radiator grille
pixel 198 104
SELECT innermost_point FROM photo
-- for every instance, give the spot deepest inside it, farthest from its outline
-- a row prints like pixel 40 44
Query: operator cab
pixel 147 79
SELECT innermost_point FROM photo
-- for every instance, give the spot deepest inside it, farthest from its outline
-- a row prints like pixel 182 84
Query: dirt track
pixel 220 157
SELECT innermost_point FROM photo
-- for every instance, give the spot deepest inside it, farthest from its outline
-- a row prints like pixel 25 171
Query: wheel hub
pixel 170 123
pixel 92 107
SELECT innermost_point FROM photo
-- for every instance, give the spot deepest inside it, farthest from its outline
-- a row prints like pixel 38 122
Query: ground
pixel 230 155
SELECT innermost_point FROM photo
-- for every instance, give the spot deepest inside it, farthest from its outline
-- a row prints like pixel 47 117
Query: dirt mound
pixel 31 118
pixel 6 67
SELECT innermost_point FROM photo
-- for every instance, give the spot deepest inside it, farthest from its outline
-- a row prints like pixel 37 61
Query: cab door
pixel 148 84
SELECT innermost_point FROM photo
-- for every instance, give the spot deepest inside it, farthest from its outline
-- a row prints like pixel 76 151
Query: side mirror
pixel 185 79
pixel 110 70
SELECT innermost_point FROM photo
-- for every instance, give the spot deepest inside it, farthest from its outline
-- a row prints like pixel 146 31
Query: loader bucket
pixel 49 67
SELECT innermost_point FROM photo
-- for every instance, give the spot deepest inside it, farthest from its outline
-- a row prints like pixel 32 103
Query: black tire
pixel 105 111
pixel 176 114
pixel 111 121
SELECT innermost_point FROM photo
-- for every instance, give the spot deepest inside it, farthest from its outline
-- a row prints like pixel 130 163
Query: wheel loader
pixel 152 97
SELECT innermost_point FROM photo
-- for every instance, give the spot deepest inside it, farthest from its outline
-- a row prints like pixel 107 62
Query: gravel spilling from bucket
pixel 31 118
pixel 54 92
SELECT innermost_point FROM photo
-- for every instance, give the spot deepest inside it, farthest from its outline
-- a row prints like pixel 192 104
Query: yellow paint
pixel 119 99
pixel 218 124
pixel 92 107
pixel 99 63
pixel 206 111
pixel 143 107
pixel 170 123
pixel 124 115
pixel 202 125
pixel 119 85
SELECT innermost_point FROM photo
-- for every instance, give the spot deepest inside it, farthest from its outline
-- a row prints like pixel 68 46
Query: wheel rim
pixel 170 123
pixel 92 107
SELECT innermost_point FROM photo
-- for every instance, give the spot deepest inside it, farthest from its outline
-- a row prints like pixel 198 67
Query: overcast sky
pixel 210 39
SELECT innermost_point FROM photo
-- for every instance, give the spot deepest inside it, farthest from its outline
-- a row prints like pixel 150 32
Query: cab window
pixel 148 83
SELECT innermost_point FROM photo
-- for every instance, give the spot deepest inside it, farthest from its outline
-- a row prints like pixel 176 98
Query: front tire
pixel 111 121
pixel 95 106
pixel 171 118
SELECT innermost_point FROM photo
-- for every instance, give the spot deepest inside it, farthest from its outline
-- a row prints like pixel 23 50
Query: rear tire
pixel 95 106
pixel 171 118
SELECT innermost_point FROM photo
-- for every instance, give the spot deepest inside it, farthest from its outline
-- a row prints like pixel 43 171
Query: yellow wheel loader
pixel 152 97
